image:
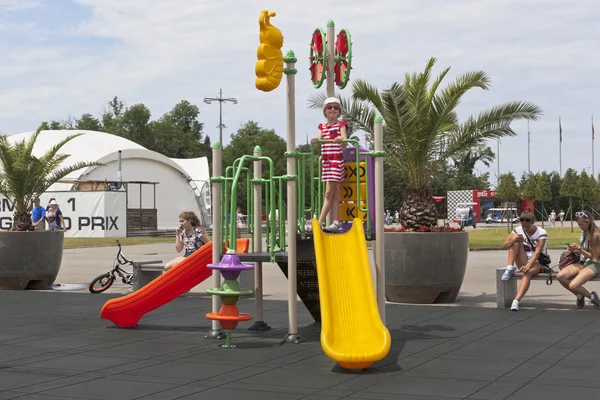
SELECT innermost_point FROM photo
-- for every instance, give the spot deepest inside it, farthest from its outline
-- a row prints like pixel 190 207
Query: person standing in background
pixel 56 221
pixel 561 217
pixel 38 216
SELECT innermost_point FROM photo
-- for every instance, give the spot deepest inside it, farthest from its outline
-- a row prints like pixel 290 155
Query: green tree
pixel 508 190
pixel 135 125
pixel 178 133
pixel 53 126
pixel 394 187
pixel 555 183
pixel 464 163
pixel 523 180
pixel 185 116
pixel 529 187
pixel 243 143
pixel 208 149
pixel 89 123
pixel 568 189
pixel 112 115
pixel 543 192
pixel 587 188
pixel 422 129
pixel 568 186
pixel 25 176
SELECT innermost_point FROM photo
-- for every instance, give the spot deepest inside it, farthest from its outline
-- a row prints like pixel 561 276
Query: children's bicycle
pixel 104 281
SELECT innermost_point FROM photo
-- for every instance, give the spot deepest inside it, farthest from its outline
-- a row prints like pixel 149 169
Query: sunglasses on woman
pixel 332 108
pixel 524 219
pixel 581 215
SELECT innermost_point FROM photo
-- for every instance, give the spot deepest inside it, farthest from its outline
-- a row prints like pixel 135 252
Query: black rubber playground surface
pixel 53 345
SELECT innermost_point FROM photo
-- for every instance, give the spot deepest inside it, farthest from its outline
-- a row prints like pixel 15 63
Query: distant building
pixel 159 186
pixel 484 199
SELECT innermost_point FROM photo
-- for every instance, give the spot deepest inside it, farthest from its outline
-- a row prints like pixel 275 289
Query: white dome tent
pixel 150 180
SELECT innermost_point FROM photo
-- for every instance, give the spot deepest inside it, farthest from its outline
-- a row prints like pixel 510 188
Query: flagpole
pixel 528 149
pixel 498 158
pixel 560 147
pixel 593 170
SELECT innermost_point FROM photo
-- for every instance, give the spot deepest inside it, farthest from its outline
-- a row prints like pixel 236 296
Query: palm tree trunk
pixel 418 210
pixel 22 221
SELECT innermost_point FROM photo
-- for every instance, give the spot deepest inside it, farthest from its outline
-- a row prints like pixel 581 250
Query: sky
pixel 63 58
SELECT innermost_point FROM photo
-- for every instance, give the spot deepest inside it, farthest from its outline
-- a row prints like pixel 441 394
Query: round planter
pixel 30 260
pixel 425 267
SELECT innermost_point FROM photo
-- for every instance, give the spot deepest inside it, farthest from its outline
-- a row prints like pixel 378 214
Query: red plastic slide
pixel 125 312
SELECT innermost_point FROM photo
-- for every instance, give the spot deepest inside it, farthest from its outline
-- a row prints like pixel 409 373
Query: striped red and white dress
pixel 332 161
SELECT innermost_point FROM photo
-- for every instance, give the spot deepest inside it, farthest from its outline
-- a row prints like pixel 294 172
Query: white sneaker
pixel 333 228
pixel 515 305
pixel 508 272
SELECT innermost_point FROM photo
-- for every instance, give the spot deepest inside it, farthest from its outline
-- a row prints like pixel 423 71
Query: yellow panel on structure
pixel 351 172
pixel 269 68
pixel 348 192
pixel 350 211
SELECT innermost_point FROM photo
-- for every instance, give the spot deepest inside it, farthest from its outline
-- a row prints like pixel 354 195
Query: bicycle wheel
pixel 101 283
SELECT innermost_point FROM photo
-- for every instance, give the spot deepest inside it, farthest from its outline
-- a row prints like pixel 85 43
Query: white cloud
pixel 163 51
pixel 7 6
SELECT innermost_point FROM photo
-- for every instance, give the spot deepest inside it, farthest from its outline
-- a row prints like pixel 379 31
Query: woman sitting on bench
pixel 189 236
pixel 526 247
pixel 573 276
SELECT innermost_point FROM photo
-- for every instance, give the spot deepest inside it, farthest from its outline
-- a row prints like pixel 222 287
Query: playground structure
pixel 352 313
pixel 125 312
pixel 351 281
pixel 229 292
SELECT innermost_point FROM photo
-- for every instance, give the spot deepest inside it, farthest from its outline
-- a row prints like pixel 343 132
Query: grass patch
pixel 489 238
pixel 72 243
pixel 493 238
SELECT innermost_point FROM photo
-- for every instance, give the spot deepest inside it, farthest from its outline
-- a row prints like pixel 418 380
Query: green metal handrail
pixel 229 173
pixel 270 197
pixel 274 189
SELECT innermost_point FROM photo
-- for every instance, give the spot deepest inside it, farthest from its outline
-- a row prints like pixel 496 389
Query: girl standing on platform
pixel 332 160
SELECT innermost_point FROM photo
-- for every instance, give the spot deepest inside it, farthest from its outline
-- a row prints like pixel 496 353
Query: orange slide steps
pixel 125 312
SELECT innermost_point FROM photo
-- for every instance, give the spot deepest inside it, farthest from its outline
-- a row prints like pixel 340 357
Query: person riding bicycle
pixel 190 235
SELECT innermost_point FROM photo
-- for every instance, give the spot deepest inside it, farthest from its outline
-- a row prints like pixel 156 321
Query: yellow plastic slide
pixel 352 332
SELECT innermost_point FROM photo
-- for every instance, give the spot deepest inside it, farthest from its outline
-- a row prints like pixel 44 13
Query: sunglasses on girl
pixel 332 108
pixel 525 219
pixel 581 215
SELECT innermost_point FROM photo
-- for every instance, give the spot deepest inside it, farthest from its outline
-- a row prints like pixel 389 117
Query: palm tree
pixel 421 128
pixel 23 177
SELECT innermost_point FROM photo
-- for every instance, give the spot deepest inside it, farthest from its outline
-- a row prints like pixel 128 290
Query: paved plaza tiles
pixel 53 345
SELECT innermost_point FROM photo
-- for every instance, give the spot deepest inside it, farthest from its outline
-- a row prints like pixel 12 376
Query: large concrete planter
pixel 30 260
pixel 425 268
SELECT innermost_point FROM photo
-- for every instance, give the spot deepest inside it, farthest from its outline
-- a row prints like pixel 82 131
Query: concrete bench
pixel 507 290
pixel 145 272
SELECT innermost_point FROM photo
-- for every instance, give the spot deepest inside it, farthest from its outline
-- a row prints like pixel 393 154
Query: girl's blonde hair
pixel 190 216
pixel 592 234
